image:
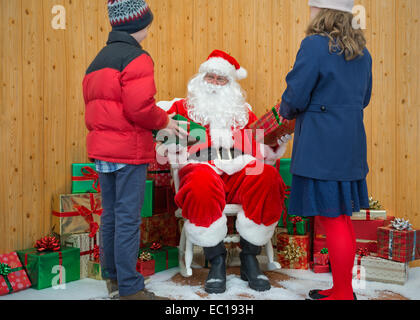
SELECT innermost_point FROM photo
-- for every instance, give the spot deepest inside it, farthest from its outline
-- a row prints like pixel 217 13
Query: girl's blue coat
pixel 327 95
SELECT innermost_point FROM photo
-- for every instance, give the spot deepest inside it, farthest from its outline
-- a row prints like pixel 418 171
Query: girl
pixel 327 91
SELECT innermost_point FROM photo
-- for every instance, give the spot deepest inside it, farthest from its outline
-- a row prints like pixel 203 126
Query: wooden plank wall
pixel 42 113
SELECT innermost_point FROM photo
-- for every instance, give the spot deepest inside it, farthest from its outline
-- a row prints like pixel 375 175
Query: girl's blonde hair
pixel 337 26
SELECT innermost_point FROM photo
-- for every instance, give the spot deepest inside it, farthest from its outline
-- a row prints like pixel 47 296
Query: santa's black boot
pixel 216 280
pixel 250 267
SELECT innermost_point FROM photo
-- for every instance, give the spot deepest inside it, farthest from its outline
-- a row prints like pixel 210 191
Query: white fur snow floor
pixel 295 286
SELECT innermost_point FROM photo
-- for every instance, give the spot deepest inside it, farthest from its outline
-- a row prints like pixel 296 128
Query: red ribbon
pixel 368 215
pixel 361 252
pixel 88 214
pixel 89 174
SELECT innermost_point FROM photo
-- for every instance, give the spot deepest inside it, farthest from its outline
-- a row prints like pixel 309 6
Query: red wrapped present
pixel 159 173
pixel 161 228
pixel 13 276
pixel 399 243
pixel 293 251
pixel 322 257
pixel 365 231
pixel 145 264
pixel 317 268
pixel 274 126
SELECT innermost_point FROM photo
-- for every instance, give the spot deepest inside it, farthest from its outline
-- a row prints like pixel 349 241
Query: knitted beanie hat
pixel 342 5
pixel 129 15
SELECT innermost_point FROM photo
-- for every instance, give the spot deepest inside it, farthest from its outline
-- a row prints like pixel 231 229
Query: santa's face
pixel 217 100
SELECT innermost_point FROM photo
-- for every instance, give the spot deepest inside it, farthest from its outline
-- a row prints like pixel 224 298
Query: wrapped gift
pixel 375 212
pixel 165 257
pixel 159 173
pixel 147 208
pixel 160 228
pixel 145 264
pixel 13 276
pixel 49 268
pixel 399 242
pixel 293 251
pixel 94 270
pixel 365 231
pixel 322 257
pixel 317 268
pixel 283 166
pixel 76 213
pixel 87 247
pixel 370 267
pixel 297 225
pixel 84 178
pixel 164 200
pixel 274 126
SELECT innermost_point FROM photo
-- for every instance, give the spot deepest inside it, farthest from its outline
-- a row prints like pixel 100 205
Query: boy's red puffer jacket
pixel 121 112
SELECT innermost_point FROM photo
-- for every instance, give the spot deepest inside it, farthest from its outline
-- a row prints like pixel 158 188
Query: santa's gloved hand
pixel 272 154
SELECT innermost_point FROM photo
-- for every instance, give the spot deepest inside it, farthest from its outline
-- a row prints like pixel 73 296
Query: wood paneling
pixel 42 111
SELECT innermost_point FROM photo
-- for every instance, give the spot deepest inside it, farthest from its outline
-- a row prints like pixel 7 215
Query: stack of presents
pixel 385 244
pixel 71 251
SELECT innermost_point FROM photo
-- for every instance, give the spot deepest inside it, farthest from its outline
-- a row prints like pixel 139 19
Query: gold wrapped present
pixel 76 213
pixel 94 270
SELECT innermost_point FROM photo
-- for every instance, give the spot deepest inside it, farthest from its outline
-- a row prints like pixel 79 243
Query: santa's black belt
pixel 210 154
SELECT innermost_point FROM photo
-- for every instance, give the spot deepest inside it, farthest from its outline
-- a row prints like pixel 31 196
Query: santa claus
pixel 226 166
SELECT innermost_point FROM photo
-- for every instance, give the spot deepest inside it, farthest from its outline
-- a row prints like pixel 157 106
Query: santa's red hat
pixel 223 63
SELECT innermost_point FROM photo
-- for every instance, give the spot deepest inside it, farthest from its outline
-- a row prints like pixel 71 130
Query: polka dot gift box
pixel 13 277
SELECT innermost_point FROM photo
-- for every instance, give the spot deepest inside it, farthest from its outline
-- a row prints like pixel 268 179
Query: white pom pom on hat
pixel 342 5
pixel 226 64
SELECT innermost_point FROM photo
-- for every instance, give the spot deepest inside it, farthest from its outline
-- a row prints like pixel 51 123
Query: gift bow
pixel 296 219
pixel 145 256
pixel 401 224
pixel 91 174
pixel 48 244
pixel 292 252
pixel 374 204
pixel 155 246
pixel 362 252
pixel 88 214
pixel 5 269
pixel 324 251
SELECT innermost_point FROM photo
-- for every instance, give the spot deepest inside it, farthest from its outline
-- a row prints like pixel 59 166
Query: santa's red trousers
pixel 203 195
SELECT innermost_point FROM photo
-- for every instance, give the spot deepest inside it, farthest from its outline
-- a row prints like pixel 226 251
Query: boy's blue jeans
pixel 122 199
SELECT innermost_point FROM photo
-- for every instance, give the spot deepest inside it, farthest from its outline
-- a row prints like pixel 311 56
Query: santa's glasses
pixel 216 79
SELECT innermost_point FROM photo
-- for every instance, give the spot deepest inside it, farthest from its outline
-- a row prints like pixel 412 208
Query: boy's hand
pixel 173 126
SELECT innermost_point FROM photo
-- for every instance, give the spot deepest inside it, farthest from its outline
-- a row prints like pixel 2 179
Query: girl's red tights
pixel 341 243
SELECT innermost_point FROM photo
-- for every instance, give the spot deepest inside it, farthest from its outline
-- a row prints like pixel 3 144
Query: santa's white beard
pixel 223 108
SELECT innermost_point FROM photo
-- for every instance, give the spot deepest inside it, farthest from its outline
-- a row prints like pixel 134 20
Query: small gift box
pixel 399 242
pixel 49 264
pixel 293 251
pixel 165 257
pixel 147 208
pixel 274 126
pixel 375 212
pixel 84 178
pixel 94 270
pixel 87 246
pixel 159 173
pixel 317 268
pixel 13 276
pixel 76 213
pixel 322 257
pixel 297 225
pixel 145 264
pixel 159 228
pixel 370 267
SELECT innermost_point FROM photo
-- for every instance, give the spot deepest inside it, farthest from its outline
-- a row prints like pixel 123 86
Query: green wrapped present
pixel 165 257
pixel 283 166
pixel 297 225
pixel 84 178
pixel 147 208
pixel 196 133
pixel 48 269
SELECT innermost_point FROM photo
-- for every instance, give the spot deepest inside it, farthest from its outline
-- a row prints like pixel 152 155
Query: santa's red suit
pixel 206 186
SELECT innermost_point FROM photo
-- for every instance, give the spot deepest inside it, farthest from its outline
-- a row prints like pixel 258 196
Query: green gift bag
pixel 147 208
pixel 47 269
pixel 283 166
pixel 165 258
pixel 84 178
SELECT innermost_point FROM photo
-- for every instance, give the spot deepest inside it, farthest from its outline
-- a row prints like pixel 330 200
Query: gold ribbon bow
pixel 292 252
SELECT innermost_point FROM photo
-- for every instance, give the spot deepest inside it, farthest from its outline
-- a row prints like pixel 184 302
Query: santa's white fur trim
pixel 235 165
pixel 270 156
pixel 223 66
pixel 207 237
pixel 257 234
